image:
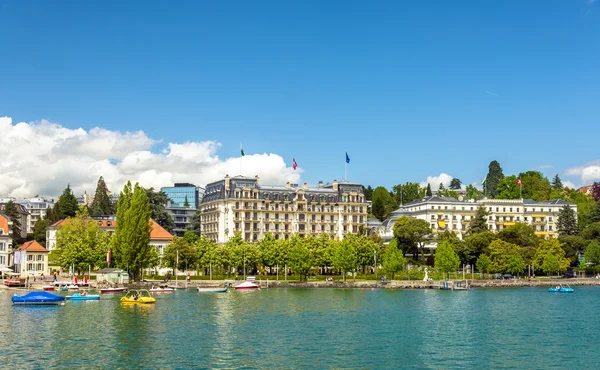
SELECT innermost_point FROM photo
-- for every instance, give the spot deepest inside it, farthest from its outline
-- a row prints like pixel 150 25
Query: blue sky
pixel 409 89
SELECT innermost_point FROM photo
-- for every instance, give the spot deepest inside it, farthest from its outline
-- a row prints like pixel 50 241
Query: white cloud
pixel 569 184
pixel 42 157
pixel 588 172
pixel 434 181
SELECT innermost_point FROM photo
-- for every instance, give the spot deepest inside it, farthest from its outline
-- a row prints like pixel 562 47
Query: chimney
pixel 256 177
pixel 305 186
pixel 287 185
pixel 227 182
pixel 335 185
pixel 320 184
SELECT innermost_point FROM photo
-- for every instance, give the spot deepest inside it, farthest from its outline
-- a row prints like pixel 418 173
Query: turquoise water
pixel 309 328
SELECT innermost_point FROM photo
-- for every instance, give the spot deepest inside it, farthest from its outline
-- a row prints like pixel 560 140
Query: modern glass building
pixel 184 200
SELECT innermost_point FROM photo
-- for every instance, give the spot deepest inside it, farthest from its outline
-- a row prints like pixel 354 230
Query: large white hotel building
pixel 241 204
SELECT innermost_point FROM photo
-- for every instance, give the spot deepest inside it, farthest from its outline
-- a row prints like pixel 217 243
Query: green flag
pixel 242 150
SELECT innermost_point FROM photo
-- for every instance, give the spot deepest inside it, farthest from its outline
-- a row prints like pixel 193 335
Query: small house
pixel 112 275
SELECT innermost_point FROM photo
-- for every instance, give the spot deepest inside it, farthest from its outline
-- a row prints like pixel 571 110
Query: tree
pixel 67 203
pixel 473 192
pixel 592 254
pixel 343 256
pixel 499 252
pixel 382 203
pixel 508 188
pixel 186 202
pixel 567 223
pixel 455 184
pixel 475 245
pixel 446 260
pixel 535 186
pixel 81 242
pixel 393 261
pixel 368 192
pixel 591 232
pixel 575 243
pixel 595 214
pixel 479 222
pixel 483 263
pixel 516 264
pixel 441 187
pixel 411 234
pixel 196 225
pixel 158 201
pixel 213 254
pixel 595 191
pixel 54 214
pixel 557 183
pixel 102 204
pixel 520 234
pixel 406 193
pixel 39 231
pixel 180 249
pixel 11 210
pixel 428 191
pixel 133 230
pixel 301 258
pixel 321 247
pixel 550 257
pixel 492 179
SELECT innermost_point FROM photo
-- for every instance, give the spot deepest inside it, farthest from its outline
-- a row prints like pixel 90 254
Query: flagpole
pixel 345 174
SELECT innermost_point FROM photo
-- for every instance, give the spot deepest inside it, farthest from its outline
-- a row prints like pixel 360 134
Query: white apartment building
pixel 5 241
pixel 36 209
pixel 455 215
pixel 242 204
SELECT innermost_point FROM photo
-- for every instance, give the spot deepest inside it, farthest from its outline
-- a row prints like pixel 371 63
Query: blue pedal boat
pixel 82 297
pixel 38 298
pixel 561 289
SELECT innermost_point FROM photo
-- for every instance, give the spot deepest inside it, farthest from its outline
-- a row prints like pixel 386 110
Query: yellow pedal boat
pixel 138 296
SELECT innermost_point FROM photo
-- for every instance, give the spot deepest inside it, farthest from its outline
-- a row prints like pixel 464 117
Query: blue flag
pixel 347 158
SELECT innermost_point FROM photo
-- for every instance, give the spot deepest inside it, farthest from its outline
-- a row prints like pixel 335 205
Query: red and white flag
pixel 108 256
pixel 519 182
pixel 294 164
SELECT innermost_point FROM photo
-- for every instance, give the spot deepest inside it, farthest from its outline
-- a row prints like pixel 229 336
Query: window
pixel 510 209
pixel 29 257
pixel 503 209
pixel 497 209
pixel 446 208
pixel 2 260
pixel 40 257
pixel 432 207
pixel 549 228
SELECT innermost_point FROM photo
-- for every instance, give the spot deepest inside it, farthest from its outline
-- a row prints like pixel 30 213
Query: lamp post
pixel 375 266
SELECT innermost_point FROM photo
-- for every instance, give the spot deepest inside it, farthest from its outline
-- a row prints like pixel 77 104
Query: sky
pixel 161 92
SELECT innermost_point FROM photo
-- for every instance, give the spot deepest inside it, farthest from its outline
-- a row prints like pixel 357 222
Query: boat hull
pixel 142 300
pixel 560 290
pixel 113 290
pixel 83 298
pixel 48 288
pixel 247 288
pixel 38 299
pixel 212 290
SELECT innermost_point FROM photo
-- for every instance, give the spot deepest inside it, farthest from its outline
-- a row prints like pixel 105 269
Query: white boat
pixel 73 287
pixel 212 290
pixel 246 285
pixel 161 290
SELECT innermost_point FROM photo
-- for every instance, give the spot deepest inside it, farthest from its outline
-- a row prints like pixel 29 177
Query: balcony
pixel 539 222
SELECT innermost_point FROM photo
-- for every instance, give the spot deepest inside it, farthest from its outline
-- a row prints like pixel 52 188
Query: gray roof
pixel 109 270
pixel 557 202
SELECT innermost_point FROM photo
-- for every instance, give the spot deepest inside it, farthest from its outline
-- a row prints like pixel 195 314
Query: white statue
pixel 426 278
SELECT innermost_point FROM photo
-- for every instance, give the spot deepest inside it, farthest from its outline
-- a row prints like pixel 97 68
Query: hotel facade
pixel 241 204
pixel 455 215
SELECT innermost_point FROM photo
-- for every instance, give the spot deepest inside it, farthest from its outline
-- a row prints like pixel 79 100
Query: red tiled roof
pixel 32 246
pixel 4 224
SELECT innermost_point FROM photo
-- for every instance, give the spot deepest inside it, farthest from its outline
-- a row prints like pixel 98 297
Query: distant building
pixel 31 258
pixel 181 213
pixel 24 215
pixel 241 204
pixel 5 240
pixel 455 215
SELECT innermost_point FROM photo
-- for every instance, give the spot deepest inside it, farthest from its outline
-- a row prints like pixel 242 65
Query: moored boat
pixel 73 287
pixel 161 290
pixel 138 296
pixel 212 290
pixel 83 297
pixel 38 298
pixel 247 285
pixel 48 288
pixel 561 289
pixel 112 290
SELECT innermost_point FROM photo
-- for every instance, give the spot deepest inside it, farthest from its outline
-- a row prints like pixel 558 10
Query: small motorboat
pixel 38 298
pixel 247 285
pixel 138 296
pixel 83 297
pixel 48 288
pixel 161 290
pixel 212 290
pixel 561 289
pixel 73 287
pixel 113 290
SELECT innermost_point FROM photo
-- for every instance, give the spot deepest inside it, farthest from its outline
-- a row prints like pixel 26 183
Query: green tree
pixel 81 242
pixel 411 234
pixel 592 231
pixel 67 203
pixel 158 201
pixel 493 178
pixel 406 193
pixel 179 249
pixel 428 191
pixel 39 231
pixel 499 252
pixel 368 192
pixel 508 188
pixel 133 230
pixel 479 222
pixel 455 184
pixel 242 254
pixel 592 254
pixel 595 191
pixel 393 261
pixel 267 248
pixel 550 249
pixel 102 204
pixel 382 203
pixel 516 264
pixel 472 192
pixel 11 210
pixel 301 259
pixel 321 247
pixel 520 234
pixel 567 222
pixel 573 243
pixel 483 264
pixel 196 225
pixel 476 244
pixel 446 260
pixel 595 214
pixel 343 256
pixel 365 249
pixel 535 186
pixel 557 183
pixel 54 214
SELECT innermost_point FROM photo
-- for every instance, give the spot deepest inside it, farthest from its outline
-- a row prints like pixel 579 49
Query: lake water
pixel 309 328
